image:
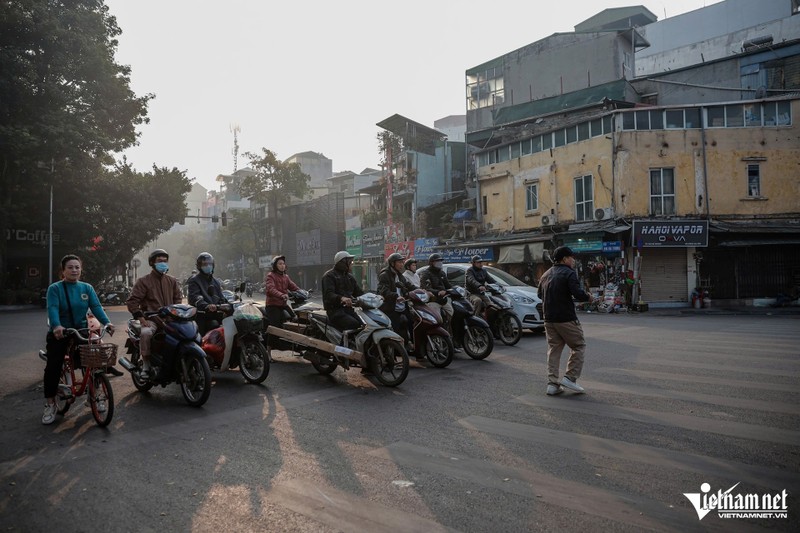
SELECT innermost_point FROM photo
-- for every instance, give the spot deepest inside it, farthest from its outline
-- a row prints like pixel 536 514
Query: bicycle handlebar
pixel 77 333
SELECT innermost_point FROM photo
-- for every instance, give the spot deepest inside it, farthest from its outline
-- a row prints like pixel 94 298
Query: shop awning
pixel 515 253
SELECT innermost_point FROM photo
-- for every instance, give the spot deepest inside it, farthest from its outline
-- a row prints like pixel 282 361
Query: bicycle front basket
pixel 98 355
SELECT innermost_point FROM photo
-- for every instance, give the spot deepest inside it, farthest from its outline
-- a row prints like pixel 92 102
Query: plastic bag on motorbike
pixel 214 344
pixel 248 318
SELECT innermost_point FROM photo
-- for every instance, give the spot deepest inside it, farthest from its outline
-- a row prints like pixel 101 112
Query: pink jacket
pixel 277 286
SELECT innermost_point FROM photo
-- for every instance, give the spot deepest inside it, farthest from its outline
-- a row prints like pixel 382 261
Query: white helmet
pixel 342 255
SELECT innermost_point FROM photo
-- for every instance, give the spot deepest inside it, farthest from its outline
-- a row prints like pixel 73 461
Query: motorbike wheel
pixel 509 328
pixel 439 350
pixel 100 390
pixel 324 365
pixel 478 342
pixel 63 401
pixel 141 385
pixel 195 380
pixel 254 362
pixel 391 368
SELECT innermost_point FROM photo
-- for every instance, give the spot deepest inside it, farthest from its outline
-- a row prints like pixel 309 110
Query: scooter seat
pixel 322 317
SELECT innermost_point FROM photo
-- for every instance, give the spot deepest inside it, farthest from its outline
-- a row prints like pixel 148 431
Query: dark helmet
pixel 561 252
pixel 476 259
pixel 204 257
pixel 410 261
pixel 435 257
pixel 275 262
pixel 158 252
pixel 394 257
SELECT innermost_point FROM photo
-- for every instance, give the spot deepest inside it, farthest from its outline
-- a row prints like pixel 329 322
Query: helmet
pixel 204 257
pixel 476 259
pixel 561 252
pixel 433 258
pixel 341 255
pixel 275 261
pixel 410 261
pixel 151 259
pixel 394 257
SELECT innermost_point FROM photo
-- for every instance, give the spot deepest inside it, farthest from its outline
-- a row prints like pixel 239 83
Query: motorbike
pixel 384 351
pixel 430 337
pixel 499 313
pixel 179 340
pixel 471 332
pixel 296 310
pixel 238 342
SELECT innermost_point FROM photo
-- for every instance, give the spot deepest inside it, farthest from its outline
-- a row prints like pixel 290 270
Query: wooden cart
pixel 345 357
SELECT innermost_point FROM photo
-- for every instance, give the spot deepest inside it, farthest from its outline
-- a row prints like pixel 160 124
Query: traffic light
pixel 224 218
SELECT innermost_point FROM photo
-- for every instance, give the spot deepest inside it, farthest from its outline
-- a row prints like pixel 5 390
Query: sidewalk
pixel 724 310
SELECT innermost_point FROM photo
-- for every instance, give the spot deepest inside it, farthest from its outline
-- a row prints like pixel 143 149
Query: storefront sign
pixel 353 241
pixel 582 245
pixel 372 242
pixel 463 255
pixel 423 248
pixel 612 246
pixel 405 248
pixel 308 248
pixel 670 234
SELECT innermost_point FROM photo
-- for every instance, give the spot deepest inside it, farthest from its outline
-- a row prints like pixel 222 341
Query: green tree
pixel 63 99
pixel 274 184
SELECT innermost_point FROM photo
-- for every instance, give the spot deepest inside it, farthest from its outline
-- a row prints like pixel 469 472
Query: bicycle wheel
pixel 64 393
pixel 101 398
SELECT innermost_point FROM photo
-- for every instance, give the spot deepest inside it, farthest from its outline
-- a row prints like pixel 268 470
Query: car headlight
pixel 522 299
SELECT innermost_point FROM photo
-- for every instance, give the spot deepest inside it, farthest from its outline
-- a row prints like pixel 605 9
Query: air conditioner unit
pixel 604 213
pixel 469 203
pixel 548 220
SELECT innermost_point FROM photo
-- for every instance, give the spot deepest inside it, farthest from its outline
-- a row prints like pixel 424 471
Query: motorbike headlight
pixel 522 299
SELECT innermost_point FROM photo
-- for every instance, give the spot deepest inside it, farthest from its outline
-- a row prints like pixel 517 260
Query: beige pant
pixel 558 335
pixel 145 338
pixel 445 310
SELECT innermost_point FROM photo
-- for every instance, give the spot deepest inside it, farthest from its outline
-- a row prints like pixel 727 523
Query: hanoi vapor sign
pixel 670 233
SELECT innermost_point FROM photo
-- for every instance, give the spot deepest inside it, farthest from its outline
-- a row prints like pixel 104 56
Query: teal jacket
pixel 81 297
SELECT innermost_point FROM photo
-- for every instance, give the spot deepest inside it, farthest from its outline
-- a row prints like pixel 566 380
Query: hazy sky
pixel 316 75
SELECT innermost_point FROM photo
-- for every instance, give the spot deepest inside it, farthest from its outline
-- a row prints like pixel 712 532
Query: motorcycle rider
pixel 150 293
pixel 434 279
pixel 278 285
pixel 339 289
pixel 205 293
pixel 394 288
pixel 410 272
pixel 476 279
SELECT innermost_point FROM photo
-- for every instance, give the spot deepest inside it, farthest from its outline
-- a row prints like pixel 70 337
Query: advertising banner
pixel 308 248
pixel 463 255
pixel 353 241
pixel 423 248
pixel 372 242
pixel 394 233
pixel 670 233
pixel 406 248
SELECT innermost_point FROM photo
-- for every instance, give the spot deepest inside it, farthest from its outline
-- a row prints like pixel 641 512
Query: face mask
pixel 206 269
pixel 437 264
pixel 162 267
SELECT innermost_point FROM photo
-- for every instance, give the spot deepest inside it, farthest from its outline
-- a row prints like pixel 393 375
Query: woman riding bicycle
pixel 68 301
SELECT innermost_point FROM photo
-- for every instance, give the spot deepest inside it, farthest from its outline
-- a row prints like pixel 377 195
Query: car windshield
pixel 504 278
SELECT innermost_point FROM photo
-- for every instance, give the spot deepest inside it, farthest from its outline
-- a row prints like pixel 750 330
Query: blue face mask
pixel 162 267
pixel 207 269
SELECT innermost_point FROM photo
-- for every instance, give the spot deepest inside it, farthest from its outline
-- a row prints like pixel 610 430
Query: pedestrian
pixel 68 302
pixel 557 288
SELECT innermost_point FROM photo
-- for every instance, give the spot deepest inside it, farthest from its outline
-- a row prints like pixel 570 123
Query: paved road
pixel 673 402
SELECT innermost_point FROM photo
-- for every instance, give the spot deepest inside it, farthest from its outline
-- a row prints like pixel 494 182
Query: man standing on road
pixel 557 288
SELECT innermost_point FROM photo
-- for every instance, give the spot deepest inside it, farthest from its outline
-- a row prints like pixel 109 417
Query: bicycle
pixel 94 357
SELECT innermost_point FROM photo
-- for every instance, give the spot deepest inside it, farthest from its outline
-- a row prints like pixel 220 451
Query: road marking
pixel 726 367
pixel 642 453
pixel 736 384
pixel 585 405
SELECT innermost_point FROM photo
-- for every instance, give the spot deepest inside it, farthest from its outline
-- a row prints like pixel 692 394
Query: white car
pixel 527 304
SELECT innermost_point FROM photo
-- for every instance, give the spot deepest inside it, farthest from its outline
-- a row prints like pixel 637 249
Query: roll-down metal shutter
pixel 664 277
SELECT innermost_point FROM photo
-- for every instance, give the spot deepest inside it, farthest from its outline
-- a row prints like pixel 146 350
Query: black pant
pixel 400 323
pixel 276 315
pixel 56 349
pixel 344 318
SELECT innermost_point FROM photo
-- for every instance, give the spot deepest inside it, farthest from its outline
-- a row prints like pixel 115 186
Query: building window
pixel 674 118
pixel 754 181
pixel 532 197
pixel 584 199
pixel 484 204
pixel 662 191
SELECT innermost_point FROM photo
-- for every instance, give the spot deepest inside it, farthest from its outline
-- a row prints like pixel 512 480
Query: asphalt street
pixel 672 402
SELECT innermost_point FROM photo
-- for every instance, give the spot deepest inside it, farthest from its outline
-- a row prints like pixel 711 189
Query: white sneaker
pixel 49 415
pixel 553 389
pixel 571 385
